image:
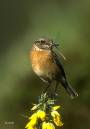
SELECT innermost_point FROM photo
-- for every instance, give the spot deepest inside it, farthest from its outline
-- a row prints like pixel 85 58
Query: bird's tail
pixel 69 89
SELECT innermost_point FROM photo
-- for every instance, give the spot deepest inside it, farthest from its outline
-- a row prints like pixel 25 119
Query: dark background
pixel 23 21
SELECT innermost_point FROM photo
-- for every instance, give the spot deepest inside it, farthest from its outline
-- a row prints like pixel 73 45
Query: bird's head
pixel 44 44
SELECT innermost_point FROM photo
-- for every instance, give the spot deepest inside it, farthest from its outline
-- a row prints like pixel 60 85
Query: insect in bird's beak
pixel 55 45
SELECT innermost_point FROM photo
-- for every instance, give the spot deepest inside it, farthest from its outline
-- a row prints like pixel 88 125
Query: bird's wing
pixel 57 61
pixel 63 79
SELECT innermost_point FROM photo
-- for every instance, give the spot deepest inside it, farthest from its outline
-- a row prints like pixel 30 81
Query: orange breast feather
pixel 42 62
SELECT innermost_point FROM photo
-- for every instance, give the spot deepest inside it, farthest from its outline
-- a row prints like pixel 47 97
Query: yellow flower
pixel 56 118
pixel 30 127
pixel 44 125
pixel 33 121
pixel 47 125
pixel 55 107
pixel 33 116
pixel 55 113
pixel 41 114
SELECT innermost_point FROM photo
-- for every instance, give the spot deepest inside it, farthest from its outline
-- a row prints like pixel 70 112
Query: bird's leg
pixel 56 88
pixel 54 94
pixel 47 87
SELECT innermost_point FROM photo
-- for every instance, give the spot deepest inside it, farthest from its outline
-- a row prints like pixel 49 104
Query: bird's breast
pixel 42 63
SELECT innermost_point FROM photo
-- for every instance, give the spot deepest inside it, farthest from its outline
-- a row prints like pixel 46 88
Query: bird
pixel 47 65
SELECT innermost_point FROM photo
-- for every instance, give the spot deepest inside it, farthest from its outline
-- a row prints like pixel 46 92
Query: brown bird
pixel 47 65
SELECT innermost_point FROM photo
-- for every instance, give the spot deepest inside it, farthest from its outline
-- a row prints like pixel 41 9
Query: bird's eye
pixel 42 41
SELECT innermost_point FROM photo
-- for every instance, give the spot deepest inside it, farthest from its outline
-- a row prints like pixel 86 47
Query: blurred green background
pixel 23 21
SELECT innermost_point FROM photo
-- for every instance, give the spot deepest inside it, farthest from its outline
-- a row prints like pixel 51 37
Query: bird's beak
pixel 55 45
